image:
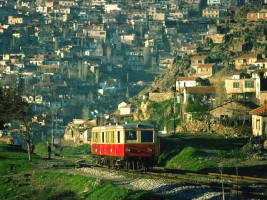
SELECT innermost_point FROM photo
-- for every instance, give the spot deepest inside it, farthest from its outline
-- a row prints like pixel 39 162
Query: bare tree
pixel 25 130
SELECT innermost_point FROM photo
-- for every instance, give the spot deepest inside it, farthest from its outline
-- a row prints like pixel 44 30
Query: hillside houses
pixel 244 61
pixel 240 86
pixel 257 16
pixel 65 51
pixel 259 120
pixel 199 60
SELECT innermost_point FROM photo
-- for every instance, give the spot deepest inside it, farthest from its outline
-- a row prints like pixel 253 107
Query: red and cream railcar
pixel 131 145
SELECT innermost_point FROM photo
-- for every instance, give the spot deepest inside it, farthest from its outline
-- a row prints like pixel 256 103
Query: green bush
pixel 41 149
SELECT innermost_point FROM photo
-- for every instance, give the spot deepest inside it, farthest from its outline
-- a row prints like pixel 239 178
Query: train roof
pixel 139 125
pixel 131 125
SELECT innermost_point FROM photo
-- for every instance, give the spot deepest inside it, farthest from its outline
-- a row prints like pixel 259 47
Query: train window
pixel 108 137
pixel 97 137
pixel 130 135
pixel 112 137
pixel 118 135
pixel 103 137
pixel 146 136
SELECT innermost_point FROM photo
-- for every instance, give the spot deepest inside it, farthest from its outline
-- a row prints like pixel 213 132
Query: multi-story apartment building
pixel 214 12
pixel 240 87
pixel 257 16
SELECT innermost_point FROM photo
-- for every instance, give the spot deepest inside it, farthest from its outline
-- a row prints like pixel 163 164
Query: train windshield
pixel 146 136
pixel 130 135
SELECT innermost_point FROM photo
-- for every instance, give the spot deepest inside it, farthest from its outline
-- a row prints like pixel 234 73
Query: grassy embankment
pixel 209 152
pixel 21 179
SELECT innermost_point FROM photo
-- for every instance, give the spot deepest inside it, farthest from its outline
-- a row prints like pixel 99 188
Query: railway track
pixel 242 186
pixel 246 187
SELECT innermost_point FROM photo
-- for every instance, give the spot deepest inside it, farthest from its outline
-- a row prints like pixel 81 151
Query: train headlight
pixel 128 150
pixel 149 149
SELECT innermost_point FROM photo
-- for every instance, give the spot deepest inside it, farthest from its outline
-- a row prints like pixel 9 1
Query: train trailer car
pixel 128 146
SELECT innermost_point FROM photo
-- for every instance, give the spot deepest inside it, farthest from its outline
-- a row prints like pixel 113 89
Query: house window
pixel 249 84
pixel 235 85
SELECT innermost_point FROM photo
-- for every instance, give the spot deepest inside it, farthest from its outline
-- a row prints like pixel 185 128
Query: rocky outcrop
pixel 216 128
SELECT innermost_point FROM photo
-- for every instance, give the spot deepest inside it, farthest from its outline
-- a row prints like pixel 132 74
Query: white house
pixel 112 7
pixel 182 82
pixel 125 109
pixel 214 2
pixel 259 121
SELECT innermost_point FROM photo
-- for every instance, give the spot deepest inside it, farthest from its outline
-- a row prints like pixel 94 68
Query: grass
pixel 14 160
pixel 190 158
pixel 48 186
pixel 20 179
pixel 65 149
pixel 201 152
pixel 84 149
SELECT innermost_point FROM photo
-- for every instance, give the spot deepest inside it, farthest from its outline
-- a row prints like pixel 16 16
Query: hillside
pixel 238 30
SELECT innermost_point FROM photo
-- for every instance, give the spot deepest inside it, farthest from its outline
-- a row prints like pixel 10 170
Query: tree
pixel 12 107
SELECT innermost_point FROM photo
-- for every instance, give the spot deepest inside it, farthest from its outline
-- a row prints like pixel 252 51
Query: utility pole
pixel 174 107
pixel 52 129
pixel 174 92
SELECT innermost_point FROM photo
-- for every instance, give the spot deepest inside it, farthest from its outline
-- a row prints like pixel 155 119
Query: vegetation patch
pixel 162 113
pixel 41 149
pixel 84 149
pixel 19 179
pixel 14 160
pixel 46 185
pixel 63 149
pixel 190 159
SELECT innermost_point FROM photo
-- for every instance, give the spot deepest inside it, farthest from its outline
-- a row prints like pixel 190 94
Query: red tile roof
pixel 201 90
pixel 262 110
pixel 199 57
pixel 192 47
pixel 209 65
pixel 187 78
pixel 248 56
